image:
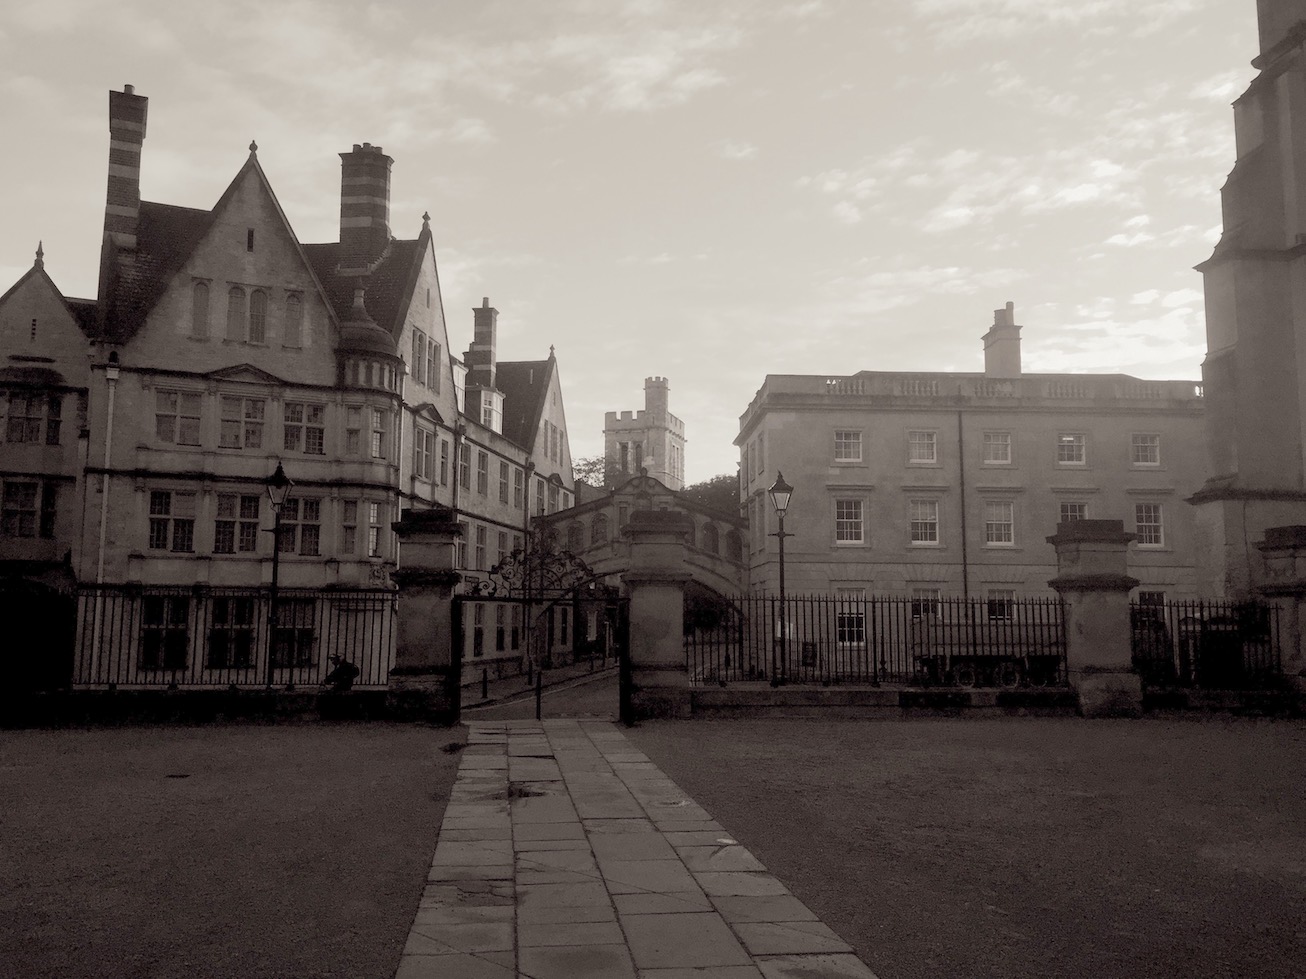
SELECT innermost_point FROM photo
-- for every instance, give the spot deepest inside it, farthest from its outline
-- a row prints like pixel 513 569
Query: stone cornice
pixel 425 577
pixel 1105 581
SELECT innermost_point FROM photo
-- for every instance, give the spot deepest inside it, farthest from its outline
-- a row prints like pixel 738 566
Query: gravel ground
pixel 1022 848
pixel 284 851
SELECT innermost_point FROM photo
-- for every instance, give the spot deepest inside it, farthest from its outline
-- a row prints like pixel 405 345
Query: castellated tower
pixel 652 439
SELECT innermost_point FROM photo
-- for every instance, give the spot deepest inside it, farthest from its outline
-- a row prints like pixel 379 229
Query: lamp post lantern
pixel 279 486
pixel 780 492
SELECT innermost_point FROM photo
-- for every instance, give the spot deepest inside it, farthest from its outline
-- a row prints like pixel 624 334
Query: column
pixel 1092 580
pixel 1284 587
pixel 659 682
pixel 426 678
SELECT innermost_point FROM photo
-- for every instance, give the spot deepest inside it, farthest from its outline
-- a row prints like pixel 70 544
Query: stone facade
pixel 948 484
pixel 44 380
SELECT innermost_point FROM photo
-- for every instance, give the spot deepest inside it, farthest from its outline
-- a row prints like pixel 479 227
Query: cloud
pixel 803 10
pixel 470 131
pixel 847 212
pixel 957 22
pixel 736 150
pixel 1222 88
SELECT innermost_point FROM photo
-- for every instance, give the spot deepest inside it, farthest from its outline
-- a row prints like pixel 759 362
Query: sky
pixel 709 191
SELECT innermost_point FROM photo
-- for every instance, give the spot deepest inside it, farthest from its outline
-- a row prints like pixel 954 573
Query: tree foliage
pixel 595 470
pixel 719 493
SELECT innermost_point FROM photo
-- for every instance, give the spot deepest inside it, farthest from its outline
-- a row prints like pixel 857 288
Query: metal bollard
pixel 539 691
pixel 485 683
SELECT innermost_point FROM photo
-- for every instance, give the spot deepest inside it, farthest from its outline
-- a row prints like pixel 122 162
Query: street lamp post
pixel 279 486
pixel 780 492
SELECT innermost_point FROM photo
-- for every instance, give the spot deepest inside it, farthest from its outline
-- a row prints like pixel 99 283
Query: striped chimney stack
pixel 364 205
pixel 480 359
pixel 122 209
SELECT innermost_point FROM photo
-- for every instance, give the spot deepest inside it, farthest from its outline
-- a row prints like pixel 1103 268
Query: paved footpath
pixel 566 854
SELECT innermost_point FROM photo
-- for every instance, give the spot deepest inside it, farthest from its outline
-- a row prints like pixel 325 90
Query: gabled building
pixel 140 429
pixel 44 378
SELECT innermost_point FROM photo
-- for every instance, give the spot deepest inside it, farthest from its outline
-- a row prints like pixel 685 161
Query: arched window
pixel 734 546
pixel 575 538
pixel 599 529
pixel 258 316
pixel 711 539
pixel 199 311
pixel 236 313
pixel 294 333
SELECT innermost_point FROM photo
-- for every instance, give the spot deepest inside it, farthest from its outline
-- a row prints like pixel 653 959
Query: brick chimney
pixel 480 359
pixel 122 208
pixel 364 205
pixel 1002 344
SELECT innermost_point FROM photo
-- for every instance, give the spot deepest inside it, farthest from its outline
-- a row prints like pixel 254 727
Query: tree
pixel 598 471
pixel 718 493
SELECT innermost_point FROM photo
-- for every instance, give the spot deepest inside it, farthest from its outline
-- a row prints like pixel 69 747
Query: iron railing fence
pixel 834 639
pixel 188 637
pixel 1207 644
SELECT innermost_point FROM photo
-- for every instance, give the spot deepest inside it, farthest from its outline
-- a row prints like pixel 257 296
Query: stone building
pixel 1255 367
pixel 651 440
pixel 938 484
pixel 140 428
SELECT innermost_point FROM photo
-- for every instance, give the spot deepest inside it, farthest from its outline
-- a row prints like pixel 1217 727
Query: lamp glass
pixel 780 492
pixel 279 485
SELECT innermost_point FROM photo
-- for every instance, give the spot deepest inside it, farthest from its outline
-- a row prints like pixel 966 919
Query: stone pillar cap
pixel 437 520
pixel 1291 536
pixel 1095 531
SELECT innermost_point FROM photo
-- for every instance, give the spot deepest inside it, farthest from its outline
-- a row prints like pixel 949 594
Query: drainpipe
pixel 401 375
pixel 528 472
pixel 111 382
pixel 961 481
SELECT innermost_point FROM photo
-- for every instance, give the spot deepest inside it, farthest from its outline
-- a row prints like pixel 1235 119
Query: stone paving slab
pixel 566 854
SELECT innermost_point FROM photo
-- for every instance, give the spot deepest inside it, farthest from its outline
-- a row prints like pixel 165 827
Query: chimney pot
pixel 129 90
pixel 1002 344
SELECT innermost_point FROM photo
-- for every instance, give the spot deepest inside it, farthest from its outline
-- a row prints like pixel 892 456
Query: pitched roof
pixel 387 287
pixel 84 312
pixel 165 237
pixel 525 384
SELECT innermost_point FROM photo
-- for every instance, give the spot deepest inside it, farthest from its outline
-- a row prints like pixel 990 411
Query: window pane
pixel 294 322
pixel 1070 449
pixel 258 316
pixel 921 447
pixel 847 446
pixel 997 447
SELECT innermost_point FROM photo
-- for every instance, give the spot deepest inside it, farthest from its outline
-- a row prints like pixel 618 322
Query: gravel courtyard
pixel 221 851
pixel 1022 848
